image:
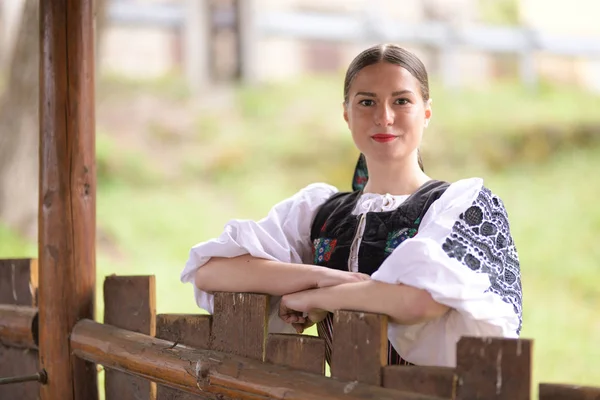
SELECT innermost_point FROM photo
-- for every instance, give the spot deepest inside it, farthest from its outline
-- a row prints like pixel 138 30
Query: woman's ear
pixel 427 112
pixel 345 111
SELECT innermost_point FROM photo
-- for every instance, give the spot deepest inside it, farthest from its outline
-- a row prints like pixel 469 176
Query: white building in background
pixel 146 51
pixel 150 51
pixel 573 18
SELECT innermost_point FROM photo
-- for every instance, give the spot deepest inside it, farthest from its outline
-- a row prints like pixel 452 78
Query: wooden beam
pixel 67 195
pixel 18 326
pixel 550 391
pixel 205 371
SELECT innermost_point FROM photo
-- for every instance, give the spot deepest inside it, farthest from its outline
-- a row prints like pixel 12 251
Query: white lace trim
pixel 370 202
pixel 374 202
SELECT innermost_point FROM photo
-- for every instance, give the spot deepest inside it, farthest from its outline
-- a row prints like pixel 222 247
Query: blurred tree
pixel 19 128
pixel 19 124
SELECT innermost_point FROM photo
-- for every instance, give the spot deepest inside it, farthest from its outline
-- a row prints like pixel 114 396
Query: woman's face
pixel 386 112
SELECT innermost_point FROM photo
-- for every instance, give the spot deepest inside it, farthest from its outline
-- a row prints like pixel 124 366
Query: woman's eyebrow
pixel 371 94
pixel 368 94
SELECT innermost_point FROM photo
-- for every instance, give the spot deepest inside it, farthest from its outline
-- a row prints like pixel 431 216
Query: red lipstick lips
pixel 383 137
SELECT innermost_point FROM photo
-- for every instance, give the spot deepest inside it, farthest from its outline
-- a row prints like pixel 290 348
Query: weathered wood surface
pixel 18 281
pixel 187 329
pixel 549 391
pixel 130 303
pixel 359 346
pixel 240 324
pixel 301 352
pixel 434 381
pixel 67 195
pixel 18 287
pixel 490 368
pixel 18 326
pixel 19 362
pixel 206 371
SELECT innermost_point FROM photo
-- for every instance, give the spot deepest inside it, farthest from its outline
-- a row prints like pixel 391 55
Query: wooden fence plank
pixel 18 286
pixel 434 381
pixel 130 303
pixel 240 324
pixel 18 282
pixel 19 362
pixel 359 346
pixel 493 368
pixel 568 392
pixel 188 329
pixel 302 352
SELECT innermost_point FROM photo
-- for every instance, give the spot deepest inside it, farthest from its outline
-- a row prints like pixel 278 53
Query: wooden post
pixel 130 303
pixel 67 195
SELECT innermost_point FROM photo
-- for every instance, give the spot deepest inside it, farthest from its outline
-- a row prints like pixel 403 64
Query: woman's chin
pixel 386 154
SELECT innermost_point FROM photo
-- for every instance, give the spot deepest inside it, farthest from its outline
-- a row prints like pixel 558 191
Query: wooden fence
pixel 230 355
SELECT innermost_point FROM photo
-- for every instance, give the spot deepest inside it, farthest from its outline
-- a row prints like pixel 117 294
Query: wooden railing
pixel 230 355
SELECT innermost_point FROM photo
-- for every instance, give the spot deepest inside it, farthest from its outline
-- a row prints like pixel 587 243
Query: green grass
pixel 15 246
pixel 237 162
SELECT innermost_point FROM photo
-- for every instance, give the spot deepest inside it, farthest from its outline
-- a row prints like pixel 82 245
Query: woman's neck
pixel 398 179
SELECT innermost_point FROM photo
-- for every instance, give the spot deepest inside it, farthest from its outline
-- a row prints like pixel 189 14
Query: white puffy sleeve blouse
pixel 463 255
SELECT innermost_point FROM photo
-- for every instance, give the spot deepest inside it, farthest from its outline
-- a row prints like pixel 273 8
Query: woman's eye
pixel 366 102
pixel 402 102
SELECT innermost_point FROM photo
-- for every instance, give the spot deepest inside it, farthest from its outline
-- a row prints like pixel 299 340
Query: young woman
pixel 437 258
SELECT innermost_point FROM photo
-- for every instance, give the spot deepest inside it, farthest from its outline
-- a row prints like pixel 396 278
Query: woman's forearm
pixel 404 305
pixel 255 275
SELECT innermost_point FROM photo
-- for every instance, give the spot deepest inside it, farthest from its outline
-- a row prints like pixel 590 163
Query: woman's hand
pixel 297 309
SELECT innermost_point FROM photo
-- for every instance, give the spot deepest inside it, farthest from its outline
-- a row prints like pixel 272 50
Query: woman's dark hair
pixel 392 54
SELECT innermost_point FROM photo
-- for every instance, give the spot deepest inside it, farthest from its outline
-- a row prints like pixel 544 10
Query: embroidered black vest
pixel 334 231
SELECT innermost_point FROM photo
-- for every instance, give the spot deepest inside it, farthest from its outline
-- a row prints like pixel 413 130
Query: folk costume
pixel 450 239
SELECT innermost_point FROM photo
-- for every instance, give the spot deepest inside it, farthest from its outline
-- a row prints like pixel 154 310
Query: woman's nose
pixel 384 115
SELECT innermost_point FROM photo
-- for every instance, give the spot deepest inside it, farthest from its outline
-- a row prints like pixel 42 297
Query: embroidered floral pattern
pixel 395 238
pixel 481 241
pixel 361 174
pixel 323 249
